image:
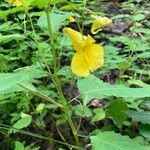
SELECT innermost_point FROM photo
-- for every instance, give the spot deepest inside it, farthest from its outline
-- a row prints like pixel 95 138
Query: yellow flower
pixel 99 23
pixel 71 19
pixel 15 2
pixel 18 2
pixel 88 56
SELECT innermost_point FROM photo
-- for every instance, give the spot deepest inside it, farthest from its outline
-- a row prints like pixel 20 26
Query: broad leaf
pixel 143 117
pixel 145 131
pixel 19 146
pixel 92 87
pixel 56 21
pixel 113 141
pixel 118 109
pixel 9 82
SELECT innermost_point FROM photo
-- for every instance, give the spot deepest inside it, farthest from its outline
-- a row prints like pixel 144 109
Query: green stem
pixel 66 107
pixel 6 127
pixel 41 95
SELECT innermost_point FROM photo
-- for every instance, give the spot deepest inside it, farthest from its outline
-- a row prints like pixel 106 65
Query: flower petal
pixel 79 65
pixel 88 42
pixel 75 37
pixel 15 2
pixel 100 23
pixel 95 57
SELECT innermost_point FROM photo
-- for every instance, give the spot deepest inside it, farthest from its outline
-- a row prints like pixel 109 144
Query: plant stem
pixel 6 127
pixel 66 107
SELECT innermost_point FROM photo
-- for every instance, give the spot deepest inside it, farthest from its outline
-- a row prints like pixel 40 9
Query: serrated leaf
pixel 110 140
pixel 142 30
pixel 6 38
pixel 56 21
pixel 9 82
pixel 92 87
pixel 142 55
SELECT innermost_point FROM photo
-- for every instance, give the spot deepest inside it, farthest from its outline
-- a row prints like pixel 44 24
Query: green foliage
pixel 145 131
pixel 44 3
pixel 6 38
pixel 138 17
pixel 143 117
pixel 99 115
pixel 57 20
pixel 110 141
pixel 92 87
pixel 82 111
pixel 19 146
pixel 43 105
pixel 10 82
pixel 118 109
pixel 142 30
pixel 23 122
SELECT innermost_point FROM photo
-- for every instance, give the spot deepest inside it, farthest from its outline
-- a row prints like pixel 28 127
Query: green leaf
pixel 118 109
pixel 140 71
pixel 82 111
pixel 42 3
pixel 142 30
pixel 9 82
pixel 92 87
pixel 145 131
pixel 99 114
pixel 19 146
pixel 113 141
pixel 145 104
pixel 138 82
pixel 40 107
pixel 71 6
pixel 138 17
pixel 23 122
pixel 54 2
pixel 142 55
pixel 133 44
pixel 7 38
pixel 65 71
pixel 143 117
pixel 56 21
pixel 120 16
